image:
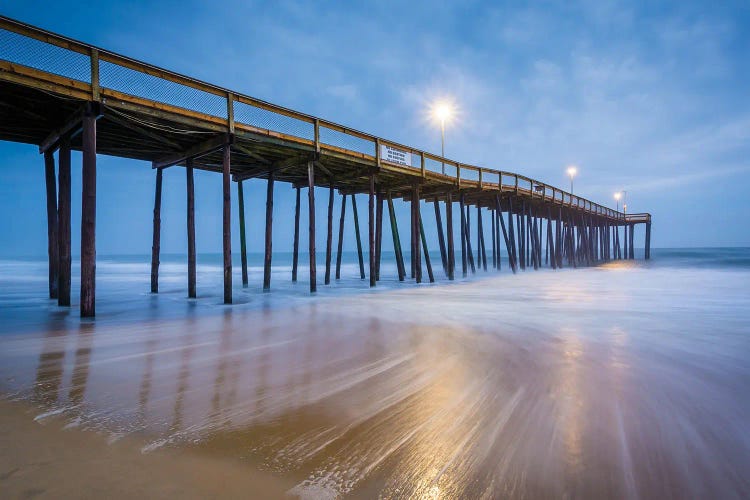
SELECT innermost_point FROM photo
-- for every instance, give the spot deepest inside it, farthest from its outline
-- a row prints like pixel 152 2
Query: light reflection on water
pixel 619 381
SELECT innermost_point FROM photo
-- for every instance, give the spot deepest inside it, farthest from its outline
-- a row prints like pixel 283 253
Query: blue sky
pixel 651 99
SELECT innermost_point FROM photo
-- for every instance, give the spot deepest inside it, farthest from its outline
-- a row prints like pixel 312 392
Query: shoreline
pixel 48 460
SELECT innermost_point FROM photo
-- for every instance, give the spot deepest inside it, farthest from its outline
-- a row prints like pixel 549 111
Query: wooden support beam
pixel 215 143
pixel 252 154
pixel 88 218
pixel 118 118
pixel 341 238
pixel 311 220
pixel 70 129
pixel 268 233
pixel 295 249
pixel 417 255
pixel 243 241
pixel 647 251
pixel 190 187
pixel 329 235
pixel 469 250
pixel 359 240
pixel 441 236
pixel 512 236
pixel 396 239
pixel 494 240
pixel 378 233
pixel 464 259
pixel 63 224
pixel 156 242
pixel 449 229
pixel 508 241
pixel 480 233
pixel 371 230
pixel 426 251
pixel 227 223
pixel 52 227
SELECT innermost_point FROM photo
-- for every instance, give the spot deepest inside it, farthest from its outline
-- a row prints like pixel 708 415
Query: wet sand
pixel 50 461
pixel 615 382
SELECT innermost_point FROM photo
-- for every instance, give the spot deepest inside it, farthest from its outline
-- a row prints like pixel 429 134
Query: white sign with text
pixel 393 155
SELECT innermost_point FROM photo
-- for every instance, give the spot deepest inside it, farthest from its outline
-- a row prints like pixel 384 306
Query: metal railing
pixel 79 70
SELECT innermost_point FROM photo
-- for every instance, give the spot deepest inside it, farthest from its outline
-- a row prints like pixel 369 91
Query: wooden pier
pixel 63 95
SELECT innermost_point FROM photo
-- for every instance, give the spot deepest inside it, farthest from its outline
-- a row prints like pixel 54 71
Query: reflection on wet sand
pixel 359 396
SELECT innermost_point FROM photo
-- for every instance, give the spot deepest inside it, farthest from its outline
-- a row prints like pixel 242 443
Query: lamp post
pixel 442 111
pixel 618 195
pixel 572 171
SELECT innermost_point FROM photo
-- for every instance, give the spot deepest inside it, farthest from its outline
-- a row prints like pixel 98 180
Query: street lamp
pixel 442 111
pixel 618 195
pixel 572 171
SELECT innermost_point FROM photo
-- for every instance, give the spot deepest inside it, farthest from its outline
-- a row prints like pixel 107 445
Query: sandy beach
pixel 48 460
pixel 582 384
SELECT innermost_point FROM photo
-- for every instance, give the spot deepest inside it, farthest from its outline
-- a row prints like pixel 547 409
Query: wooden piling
pixel 190 187
pixel 417 217
pixel 359 240
pixel 227 224
pixel 295 244
pixel 427 260
pixel 494 240
pixel 469 250
pixel 329 235
pixel 268 254
pixel 63 225
pixel 480 229
pixel 88 217
pixel 511 236
pixel 506 238
pixel 632 241
pixel 53 249
pixel 449 227
pixel 371 230
pixel 243 242
pixel 378 232
pixel 464 258
pixel 311 220
pixel 341 237
pixel 647 250
pixel 156 243
pixel 396 239
pixel 441 236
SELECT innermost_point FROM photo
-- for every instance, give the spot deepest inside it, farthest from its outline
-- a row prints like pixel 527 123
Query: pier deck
pixel 61 94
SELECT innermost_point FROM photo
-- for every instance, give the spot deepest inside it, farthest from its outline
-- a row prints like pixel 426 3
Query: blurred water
pixel 625 380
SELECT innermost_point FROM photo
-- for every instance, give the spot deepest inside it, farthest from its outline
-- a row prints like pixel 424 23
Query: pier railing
pixel 75 69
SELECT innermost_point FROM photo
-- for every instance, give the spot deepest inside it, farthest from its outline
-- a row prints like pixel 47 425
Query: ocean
pixel 629 379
